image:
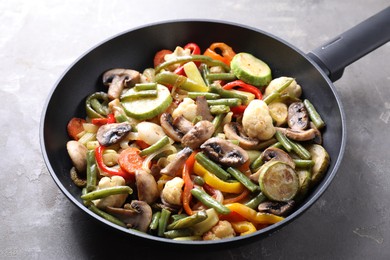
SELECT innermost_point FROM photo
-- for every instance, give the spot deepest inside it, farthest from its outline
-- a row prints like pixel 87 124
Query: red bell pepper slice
pixel 238 110
pixel 244 87
pixel 110 171
pixel 102 121
pixel 75 127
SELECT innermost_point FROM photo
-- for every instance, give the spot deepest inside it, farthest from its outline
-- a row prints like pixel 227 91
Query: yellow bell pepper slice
pixel 252 215
pixel 243 227
pixel 215 182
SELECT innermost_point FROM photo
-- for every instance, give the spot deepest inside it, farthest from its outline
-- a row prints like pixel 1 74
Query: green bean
pixel 184 59
pixel 226 93
pixel 95 108
pixel 156 146
pixel 217 121
pixel 105 192
pixel 176 217
pixel 199 180
pixel 211 166
pixel 204 71
pixel 179 81
pixel 145 86
pixel 243 179
pixel 220 76
pixel 255 201
pixel 231 102
pixel 91 171
pixel 267 143
pixel 175 233
pixel 219 109
pixel 155 218
pixel 313 114
pixel 86 202
pixel 209 201
pixel 129 95
pixel 300 150
pixel 188 221
pixel 207 95
pixel 106 216
pixel 255 165
pixel 300 163
pixel 284 141
pixel 163 222
pixel 277 145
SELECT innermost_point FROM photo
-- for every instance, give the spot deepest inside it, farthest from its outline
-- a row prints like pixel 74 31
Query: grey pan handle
pixel 353 44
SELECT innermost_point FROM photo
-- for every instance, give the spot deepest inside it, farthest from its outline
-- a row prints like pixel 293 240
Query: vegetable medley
pixel 199 147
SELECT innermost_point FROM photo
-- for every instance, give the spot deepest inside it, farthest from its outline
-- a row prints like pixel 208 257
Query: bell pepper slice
pixel 195 50
pixel 243 227
pixel 215 182
pixel 108 170
pixel 238 110
pixel 244 87
pixel 188 184
pixel 227 52
pixel 102 121
pixel 252 215
pixel 75 127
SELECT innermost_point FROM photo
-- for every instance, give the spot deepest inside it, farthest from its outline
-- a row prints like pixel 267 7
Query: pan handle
pixel 353 44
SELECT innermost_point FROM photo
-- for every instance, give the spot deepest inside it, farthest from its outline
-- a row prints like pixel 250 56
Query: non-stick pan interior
pixel 135 49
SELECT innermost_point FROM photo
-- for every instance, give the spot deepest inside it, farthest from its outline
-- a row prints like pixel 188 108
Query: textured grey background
pixel 40 39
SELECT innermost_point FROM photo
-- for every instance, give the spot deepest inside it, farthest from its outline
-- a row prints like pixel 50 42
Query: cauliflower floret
pixel 115 201
pixel 172 191
pixel 186 108
pixel 223 229
pixel 293 89
pixel 257 122
pixel 150 132
pixel 178 52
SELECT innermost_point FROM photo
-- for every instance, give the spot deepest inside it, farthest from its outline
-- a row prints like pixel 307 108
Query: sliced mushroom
pixel 202 108
pixel 273 153
pixel 146 187
pixel 166 122
pixel 298 117
pixel 173 168
pixel 110 134
pixel 224 152
pixel 298 135
pixel 136 215
pixel 78 154
pixel 182 124
pixel 202 131
pixel 235 131
pixel 117 79
pixel 276 207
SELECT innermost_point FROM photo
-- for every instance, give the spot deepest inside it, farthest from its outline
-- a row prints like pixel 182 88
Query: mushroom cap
pixel 298 117
pixel 273 153
pixel 202 131
pixel 136 215
pixel 234 131
pixel 110 134
pixel 276 207
pixel 128 76
pixel 78 154
pixel 146 186
pixel 224 152
pixel 168 127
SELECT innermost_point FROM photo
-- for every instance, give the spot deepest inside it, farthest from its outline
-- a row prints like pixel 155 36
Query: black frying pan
pixel 135 49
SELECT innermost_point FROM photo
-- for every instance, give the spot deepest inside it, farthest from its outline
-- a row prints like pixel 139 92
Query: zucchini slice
pixel 250 69
pixel 304 177
pixel 278 181
pixel 148 107
pixel 321 161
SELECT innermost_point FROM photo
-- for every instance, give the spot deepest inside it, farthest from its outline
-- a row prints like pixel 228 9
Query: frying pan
pixel 135 49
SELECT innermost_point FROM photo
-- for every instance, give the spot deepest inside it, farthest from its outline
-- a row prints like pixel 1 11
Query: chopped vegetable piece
pixel 130 160
pixel 75 127
pixel 250 69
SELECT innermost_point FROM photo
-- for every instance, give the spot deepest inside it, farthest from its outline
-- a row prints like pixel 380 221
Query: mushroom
pixel 202 131
pixel 273 153
pixel 168 127
pixel 182 124
pixel 117 79
pixel 146 186
pixel 318 136
pixel 78 154
pixel 224 152
pixel 235 131
pixel 298 117
pixel 298 135
pixel 202 108
pixel 136 215
pixel 180 159
pixel 110 134
pixel 276 207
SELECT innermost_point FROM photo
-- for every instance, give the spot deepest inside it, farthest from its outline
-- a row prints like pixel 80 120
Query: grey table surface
pixel 40 39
